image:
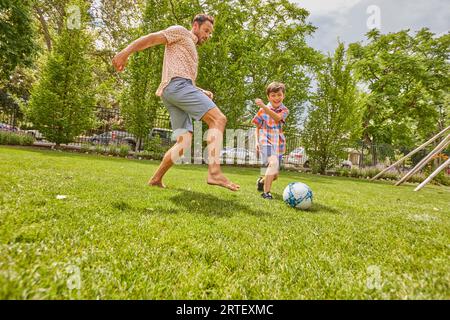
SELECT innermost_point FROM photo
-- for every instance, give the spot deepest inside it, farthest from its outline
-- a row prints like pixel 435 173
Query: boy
pixel 270 141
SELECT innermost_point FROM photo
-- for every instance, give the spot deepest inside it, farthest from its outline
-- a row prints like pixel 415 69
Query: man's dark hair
pixel 202 18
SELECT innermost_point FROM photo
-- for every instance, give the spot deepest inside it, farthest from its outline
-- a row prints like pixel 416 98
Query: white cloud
pixel 347 20
pixel 327 7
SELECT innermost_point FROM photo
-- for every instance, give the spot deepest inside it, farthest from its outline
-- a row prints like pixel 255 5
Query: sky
pixel 350 20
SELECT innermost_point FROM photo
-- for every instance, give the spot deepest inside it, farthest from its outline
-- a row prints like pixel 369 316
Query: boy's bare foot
pixel 220 180
pixel 156 183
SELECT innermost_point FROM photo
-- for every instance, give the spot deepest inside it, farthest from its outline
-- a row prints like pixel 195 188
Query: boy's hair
pixel 275 87
pixel 202 18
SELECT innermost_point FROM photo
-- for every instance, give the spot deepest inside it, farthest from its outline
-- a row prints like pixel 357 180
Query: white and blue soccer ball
pixel 298 195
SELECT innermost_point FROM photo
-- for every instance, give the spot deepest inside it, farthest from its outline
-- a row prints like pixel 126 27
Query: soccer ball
pixel 298 195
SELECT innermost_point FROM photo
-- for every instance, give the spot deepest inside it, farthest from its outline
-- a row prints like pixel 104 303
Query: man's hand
pixel 120 61
pixel 260 103
pixel 208 93
pixel 257 147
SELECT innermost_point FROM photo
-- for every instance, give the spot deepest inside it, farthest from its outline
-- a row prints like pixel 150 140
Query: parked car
pixel 239 155
pixel 7 127
pixel 253 157
pixel 346 164
pixel 114 137
pixel 164 134
pixel 36 134
pixel 297 157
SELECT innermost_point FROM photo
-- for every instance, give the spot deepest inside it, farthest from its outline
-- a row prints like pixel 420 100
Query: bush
pixel 99 148
pixel 144 155
pixel 441 178
pixel 120 150
pixel 367 173
pixel 355 173
pixel 150 155
pixel 12 138
pixel 343 172
pixel 123 150
pixel 85 147
pixel 113 150
pixel 156 147
pixel 372 172
pixel 390 176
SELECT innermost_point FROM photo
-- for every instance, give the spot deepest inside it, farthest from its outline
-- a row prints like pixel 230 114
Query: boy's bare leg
pixel 271 174
pixel 216 122
pixel 268 182
pixel 263 179
pixel 171 156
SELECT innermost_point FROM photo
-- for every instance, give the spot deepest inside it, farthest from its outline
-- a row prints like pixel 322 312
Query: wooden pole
pixel 435 173
pixel 441 146
pixel 411 153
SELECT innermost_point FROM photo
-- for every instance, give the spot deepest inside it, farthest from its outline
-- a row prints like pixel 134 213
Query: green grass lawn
pixel 113 237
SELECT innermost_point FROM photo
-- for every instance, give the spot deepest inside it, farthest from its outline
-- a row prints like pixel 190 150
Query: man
pixel 181 97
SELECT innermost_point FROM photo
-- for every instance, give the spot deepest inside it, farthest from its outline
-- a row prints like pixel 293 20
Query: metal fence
pixel 110 131
pixel 9 116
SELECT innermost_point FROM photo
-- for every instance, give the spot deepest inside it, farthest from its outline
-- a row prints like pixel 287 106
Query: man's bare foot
pixel 220 180
pixel 156 183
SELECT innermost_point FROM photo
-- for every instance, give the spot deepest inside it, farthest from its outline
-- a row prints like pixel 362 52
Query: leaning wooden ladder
pixel 441 146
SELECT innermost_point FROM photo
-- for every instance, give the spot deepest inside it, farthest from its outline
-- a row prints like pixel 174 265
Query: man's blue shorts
pixel 185 102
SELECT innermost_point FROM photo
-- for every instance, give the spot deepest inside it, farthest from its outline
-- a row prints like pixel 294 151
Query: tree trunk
pixel 138 145
pixel 48 40
pixel 374 154
pixel 361 158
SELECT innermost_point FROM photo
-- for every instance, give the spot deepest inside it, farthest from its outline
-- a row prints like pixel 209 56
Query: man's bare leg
pixel 216 122
pixel 171 156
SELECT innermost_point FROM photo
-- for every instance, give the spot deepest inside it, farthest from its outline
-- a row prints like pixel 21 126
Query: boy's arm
pixel 257 140
pixel 275 116
pixel 150 40
pixel 257 121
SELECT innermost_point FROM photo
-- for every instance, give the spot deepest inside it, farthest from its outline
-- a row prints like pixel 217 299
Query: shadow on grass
pixel 321 208
pixel 122 206
pixel 316 207
pixel 192 202
pixel 227 169
pixel 210 205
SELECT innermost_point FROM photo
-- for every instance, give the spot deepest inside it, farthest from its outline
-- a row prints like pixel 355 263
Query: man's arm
pixel 209 94
pixel 150 40
pixel 275 116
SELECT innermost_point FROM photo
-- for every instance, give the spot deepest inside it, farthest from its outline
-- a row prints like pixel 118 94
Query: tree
pixel 61 105
pixel 114 23
pixel 17 51
pixel 138 101
pixel 254 43
pixel 334 116
pixel 15 93
pixel 111 24
pixel 407 78
pixel 17 46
